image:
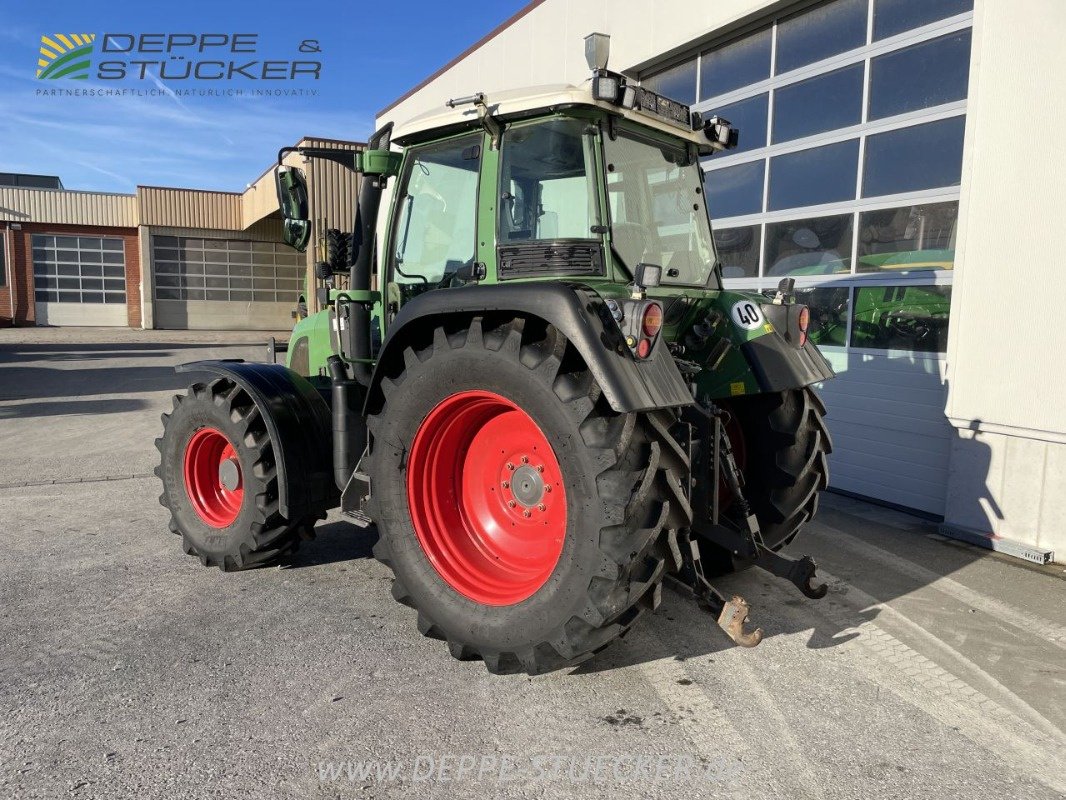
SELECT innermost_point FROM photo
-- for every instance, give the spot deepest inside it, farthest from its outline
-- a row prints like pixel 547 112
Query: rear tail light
pixel 640 322
pixel 803 321
pixel 652 321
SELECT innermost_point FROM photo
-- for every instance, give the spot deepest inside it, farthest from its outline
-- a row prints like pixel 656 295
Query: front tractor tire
pixel 219 480
pixel 527 523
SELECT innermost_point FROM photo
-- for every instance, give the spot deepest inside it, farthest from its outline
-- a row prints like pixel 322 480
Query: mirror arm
pixel 346 158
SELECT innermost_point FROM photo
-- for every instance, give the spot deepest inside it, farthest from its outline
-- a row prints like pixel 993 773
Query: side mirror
pixel 292 201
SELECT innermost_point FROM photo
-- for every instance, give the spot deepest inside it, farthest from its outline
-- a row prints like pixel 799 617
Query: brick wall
pixel 16 298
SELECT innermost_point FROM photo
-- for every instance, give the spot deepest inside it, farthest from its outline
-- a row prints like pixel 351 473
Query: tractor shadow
pixel 869 556
pixel 680 630
pixel 335 542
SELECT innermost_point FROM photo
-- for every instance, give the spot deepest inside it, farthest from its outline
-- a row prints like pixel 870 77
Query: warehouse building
pixel 162 257
pixel 900 159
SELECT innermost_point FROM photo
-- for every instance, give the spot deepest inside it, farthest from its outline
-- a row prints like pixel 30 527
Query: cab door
pixel 433 231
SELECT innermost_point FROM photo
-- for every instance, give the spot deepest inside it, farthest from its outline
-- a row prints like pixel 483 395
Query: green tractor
pixel 539 393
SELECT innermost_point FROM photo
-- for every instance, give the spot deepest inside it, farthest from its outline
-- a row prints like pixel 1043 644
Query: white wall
pixel 96 315
pixel 215 315
pixel 1007 337
pixel 1007 342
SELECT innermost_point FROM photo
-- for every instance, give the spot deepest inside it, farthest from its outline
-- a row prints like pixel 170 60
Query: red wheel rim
pixel 486 497
pixel 213 478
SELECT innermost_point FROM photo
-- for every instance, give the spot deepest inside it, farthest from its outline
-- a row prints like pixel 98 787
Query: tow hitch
pixel 732 614
pixel 711 455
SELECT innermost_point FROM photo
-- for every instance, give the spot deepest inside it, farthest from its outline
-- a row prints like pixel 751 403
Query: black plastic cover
pixel 300 426
pixel 778 365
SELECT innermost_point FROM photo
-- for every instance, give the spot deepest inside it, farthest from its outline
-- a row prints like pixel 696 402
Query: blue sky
pixel 371 53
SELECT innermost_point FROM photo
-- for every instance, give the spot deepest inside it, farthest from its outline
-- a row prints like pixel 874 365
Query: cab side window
pixel 435 228
pixel 545 183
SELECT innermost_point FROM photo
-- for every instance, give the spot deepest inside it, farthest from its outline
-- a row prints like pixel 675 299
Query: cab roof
pixel 522 102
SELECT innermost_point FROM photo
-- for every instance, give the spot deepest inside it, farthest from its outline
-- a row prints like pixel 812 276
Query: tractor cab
pixel 573 193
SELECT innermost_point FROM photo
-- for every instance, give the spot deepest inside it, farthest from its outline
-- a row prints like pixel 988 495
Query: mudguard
pixel 299 422
pixel 576 311
pixel 778 365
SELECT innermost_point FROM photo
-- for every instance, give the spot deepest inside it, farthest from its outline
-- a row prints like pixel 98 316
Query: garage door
pixel 225 284
pixel 79 280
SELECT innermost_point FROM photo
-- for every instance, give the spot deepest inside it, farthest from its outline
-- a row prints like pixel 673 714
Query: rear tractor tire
pixel 527 523
pixel 219 480
pixel 781 445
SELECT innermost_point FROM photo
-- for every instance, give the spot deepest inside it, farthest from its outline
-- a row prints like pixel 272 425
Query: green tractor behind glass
pixel 539 393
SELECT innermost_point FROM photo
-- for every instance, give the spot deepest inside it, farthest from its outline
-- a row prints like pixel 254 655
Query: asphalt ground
pixel 931 670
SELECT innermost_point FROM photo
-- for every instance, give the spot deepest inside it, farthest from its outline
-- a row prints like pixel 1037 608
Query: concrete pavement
pixel 932 669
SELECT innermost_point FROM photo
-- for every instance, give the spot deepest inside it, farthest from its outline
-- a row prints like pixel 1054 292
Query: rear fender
pixel 577 312
pixel 299 422
pixel 761 355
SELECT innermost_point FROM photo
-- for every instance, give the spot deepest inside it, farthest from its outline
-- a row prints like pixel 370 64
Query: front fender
pixel 300 426
pixel 577 312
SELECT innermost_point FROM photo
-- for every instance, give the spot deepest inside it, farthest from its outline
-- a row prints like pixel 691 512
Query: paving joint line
pixel 67 481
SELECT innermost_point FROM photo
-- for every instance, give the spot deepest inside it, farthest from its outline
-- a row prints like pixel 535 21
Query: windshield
pixel 657 208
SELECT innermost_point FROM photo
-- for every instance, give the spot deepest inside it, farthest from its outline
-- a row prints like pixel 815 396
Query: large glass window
pixel 811 177
pixel 677 83
pixel 824 103
pixel 920 76
pixel 736 191
pixel 78 269
pixel 830 306
pixel 911 159
pixel 917 237
pixel 435 228
pixel 838 194
pixel 896 16
pixel 911 318
pixel 819 33
pixel 738 251
pixel 815 246
pixel 736 64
